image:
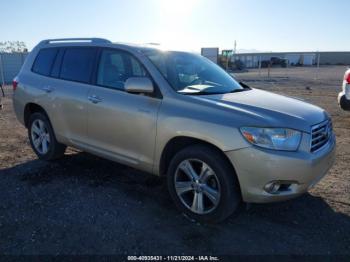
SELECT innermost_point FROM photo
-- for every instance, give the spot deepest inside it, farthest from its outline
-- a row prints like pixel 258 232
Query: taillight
pixel 347 77
pixel 14 85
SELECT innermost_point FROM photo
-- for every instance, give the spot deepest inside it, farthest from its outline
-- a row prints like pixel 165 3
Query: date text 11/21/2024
pixel 173 258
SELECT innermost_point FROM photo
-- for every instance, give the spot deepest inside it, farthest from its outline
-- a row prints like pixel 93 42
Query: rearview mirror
pixel 139 85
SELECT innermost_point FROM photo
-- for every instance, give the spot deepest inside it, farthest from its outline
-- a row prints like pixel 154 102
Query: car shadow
pixel 84 204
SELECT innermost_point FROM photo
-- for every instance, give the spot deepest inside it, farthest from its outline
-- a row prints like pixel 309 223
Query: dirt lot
pixel 83 204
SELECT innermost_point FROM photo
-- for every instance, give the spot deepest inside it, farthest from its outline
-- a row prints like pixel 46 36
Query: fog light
pixel 272 187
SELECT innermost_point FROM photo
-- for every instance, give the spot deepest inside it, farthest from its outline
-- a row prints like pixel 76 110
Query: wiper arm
pixel 244 85
pixel 202 93
pixel 239 90
pixel 212 93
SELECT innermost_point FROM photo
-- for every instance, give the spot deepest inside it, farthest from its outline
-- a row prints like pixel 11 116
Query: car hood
pixel 264 108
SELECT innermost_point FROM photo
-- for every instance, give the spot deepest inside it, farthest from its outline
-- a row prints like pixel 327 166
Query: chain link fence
pixel 10 65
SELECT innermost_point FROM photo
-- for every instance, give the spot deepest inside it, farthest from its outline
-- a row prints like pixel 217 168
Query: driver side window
pixel 115 67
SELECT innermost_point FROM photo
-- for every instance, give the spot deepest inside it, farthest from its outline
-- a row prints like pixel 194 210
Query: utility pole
pixel 230 55
pixel 318 65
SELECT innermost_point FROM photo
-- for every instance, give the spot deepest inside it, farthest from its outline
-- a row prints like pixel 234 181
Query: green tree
pixel 13 47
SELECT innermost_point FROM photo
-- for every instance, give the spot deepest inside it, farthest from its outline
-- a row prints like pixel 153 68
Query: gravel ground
pixel 83 204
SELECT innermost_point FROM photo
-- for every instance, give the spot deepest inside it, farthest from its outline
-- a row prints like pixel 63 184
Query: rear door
pixel 71 78
pixel 122 126
pixel 39 80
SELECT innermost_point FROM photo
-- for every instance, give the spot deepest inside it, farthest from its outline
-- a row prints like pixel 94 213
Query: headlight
pixel 273 138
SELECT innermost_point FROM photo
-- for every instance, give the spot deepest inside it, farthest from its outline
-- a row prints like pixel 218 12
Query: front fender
pixel 173 121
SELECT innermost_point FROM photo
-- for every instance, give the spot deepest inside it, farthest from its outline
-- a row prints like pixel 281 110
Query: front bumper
pixel 256 167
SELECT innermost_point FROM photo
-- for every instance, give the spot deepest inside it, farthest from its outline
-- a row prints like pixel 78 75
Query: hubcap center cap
pixel 197 187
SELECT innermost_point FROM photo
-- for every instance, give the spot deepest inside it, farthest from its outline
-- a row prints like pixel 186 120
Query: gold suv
pixel 173 114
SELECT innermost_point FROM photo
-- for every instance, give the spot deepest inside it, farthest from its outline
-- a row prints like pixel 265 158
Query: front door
pixel 121 126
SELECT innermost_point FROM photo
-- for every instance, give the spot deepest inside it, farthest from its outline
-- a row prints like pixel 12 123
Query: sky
pixel 263 25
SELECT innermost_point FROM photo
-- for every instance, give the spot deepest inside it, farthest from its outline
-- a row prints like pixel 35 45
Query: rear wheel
pixel 203 184
pixel 42 138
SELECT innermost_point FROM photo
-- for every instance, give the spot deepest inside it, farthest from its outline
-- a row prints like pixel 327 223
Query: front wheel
pixel 42 138
pixel 203 185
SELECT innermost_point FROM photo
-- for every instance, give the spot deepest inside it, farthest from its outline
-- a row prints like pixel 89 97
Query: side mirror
pixel 138 85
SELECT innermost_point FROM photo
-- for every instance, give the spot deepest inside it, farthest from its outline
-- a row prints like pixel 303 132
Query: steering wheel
pixel 122 77
pixel 196 81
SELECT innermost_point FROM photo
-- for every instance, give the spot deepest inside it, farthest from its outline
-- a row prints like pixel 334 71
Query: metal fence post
pixel 318 64
pixel 259 66
pixel 2 71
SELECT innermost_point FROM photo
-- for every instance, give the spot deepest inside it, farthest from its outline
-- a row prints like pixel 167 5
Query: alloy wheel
pixel 40 136
pixel 197 186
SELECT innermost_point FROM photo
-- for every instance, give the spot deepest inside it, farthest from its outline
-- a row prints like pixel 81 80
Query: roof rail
pixel 75 40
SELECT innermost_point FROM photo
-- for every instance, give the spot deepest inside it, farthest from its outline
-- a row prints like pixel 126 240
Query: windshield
pixel 193 74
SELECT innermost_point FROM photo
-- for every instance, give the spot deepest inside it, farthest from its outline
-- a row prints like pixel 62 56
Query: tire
pixel 344 103
pixel 40 129
pixel 218 190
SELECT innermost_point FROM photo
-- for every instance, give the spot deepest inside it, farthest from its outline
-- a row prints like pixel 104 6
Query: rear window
pixel 77 64
pixel 44 61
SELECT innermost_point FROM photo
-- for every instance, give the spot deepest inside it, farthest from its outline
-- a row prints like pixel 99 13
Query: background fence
pixel 10 64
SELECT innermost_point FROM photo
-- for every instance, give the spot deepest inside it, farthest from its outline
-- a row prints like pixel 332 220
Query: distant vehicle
pixel 344 95
pixel 173 114
pixel 273 62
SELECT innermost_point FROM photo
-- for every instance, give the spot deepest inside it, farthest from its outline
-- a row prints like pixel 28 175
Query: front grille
pixel 320 135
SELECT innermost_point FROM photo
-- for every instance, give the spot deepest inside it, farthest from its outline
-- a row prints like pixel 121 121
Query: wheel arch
pixel 178 143
pixel 31 108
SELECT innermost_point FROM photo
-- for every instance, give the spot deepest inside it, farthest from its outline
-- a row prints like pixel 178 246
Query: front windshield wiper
pixel 244 85
pixel 199 90
pixel 201 93
pixel 239 90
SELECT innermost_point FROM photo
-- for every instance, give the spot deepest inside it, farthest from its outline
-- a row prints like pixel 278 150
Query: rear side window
pixel 44 61
pixel 77 64
pixel 55 72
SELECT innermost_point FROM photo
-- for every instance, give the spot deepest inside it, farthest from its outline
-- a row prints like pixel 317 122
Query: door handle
pixel 48 89
pixel 95 99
